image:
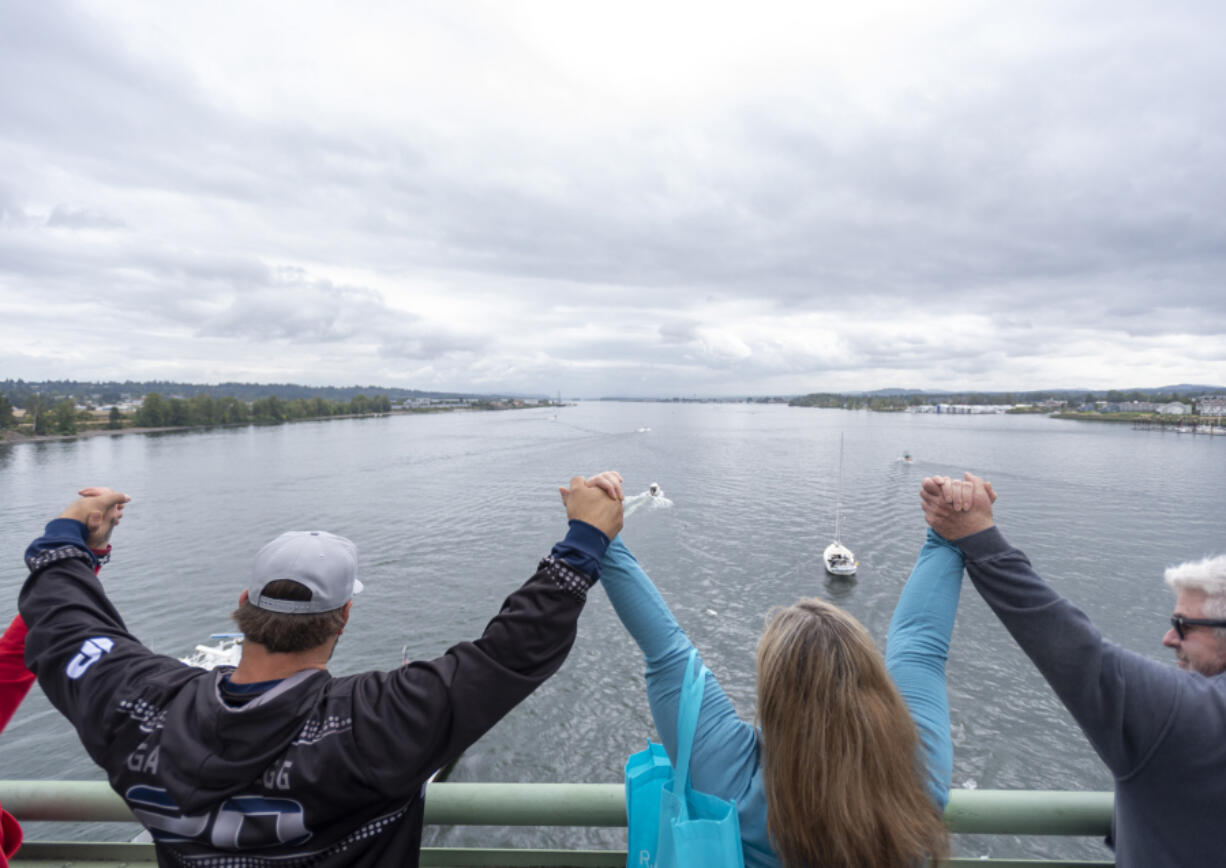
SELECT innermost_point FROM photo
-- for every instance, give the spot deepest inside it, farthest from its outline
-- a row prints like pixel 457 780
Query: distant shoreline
pixel 13 438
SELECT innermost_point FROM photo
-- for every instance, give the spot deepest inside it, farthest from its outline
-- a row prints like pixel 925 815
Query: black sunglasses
pixel 1180 623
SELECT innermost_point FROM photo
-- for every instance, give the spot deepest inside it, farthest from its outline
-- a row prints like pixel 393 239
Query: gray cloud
pixel 1056 173
pixel 83 218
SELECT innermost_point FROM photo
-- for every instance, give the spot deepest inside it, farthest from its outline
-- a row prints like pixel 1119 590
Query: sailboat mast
pixel 838 502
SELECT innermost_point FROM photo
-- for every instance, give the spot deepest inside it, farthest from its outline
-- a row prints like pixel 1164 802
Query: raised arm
pixel 15 678
pixel 725 755
pixel 441 706
pixel 1121 700
pixel 78 645
pixel 917 648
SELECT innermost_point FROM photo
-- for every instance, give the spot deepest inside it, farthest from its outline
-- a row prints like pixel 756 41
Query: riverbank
pixel 1143 418
pixel 13 437
pixel 8 438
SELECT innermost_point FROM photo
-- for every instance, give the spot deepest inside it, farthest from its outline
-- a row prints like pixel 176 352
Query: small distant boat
pixel 839 559
pixel 906 456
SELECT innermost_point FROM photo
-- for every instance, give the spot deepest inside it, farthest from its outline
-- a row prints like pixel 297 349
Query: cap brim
pixel 358 587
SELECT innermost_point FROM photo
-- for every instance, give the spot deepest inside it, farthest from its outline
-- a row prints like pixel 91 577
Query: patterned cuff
pixel 101 556
pixel 566 577
pixel 45 558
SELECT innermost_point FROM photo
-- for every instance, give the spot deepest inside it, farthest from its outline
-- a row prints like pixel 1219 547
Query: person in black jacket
pixel 277 763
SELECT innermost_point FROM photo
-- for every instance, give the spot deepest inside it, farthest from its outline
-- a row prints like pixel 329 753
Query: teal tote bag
pixel 671 824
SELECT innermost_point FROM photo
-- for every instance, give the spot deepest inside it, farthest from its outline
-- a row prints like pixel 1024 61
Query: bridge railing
pixel 980 812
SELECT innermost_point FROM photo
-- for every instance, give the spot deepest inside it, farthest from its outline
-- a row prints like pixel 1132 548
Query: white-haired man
pixel 1159 730
pixel 1198 625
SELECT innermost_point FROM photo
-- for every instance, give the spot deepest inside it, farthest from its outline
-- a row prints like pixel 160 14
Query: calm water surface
pixel 452 512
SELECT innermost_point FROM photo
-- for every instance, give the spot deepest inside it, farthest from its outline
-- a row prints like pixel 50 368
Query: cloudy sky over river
pixel 615 198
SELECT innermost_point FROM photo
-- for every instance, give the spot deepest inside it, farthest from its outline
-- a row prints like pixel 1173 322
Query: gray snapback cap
pixel 325 563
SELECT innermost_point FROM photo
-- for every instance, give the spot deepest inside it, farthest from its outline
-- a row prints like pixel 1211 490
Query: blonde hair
pixel 843 778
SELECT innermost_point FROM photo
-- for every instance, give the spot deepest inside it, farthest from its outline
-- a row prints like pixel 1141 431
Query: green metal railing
pixel 981 812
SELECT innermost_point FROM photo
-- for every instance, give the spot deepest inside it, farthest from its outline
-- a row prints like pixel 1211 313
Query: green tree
pixel 115 420
pixel 64 417
pixel 232 411
pixel 38 411
pixel 178 413
pixel 267 410
pixel 381 404
pixel 299 408
pixel 359 405
pixel 7 420
pixel 154 412
pixel 201 410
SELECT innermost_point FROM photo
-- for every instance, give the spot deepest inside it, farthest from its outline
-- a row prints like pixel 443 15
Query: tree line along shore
pixel 43 418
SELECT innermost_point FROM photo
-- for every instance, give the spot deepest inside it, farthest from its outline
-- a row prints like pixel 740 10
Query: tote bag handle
pixel 692 689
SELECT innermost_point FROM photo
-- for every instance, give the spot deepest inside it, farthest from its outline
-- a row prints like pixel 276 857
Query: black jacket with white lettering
pixel 318 771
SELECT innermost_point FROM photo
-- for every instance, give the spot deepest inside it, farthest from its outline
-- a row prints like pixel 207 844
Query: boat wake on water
pixel 652 498
pixel 225 653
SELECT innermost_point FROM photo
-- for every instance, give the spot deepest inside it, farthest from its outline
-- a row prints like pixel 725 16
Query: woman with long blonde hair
pixel 851 761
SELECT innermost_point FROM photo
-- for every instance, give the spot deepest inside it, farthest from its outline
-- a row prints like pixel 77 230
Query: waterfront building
pixel 1215 406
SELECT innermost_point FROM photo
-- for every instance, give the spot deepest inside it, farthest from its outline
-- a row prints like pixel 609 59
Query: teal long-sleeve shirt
pixel 726 759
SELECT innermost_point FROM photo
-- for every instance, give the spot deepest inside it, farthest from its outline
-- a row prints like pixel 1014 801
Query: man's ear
pixel 242 598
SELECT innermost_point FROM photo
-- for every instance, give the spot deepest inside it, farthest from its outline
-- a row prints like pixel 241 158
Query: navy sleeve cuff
pixel 62 538
pixel 583 548
pixel 983 544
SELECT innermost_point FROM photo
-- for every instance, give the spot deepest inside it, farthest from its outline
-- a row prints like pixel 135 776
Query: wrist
pixel 583 548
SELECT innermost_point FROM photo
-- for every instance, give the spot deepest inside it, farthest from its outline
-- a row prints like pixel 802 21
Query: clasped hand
pixel 99 509
pixel 957 508
pixel 596 500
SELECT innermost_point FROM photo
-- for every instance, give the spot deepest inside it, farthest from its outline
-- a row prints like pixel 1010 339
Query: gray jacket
pixel 1160 730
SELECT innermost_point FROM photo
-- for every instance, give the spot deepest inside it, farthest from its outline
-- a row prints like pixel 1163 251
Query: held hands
pixel 99 509
pixel 956 508
pixel 596 500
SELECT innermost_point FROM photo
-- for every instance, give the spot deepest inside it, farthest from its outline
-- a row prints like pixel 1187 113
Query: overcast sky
pixel 615 199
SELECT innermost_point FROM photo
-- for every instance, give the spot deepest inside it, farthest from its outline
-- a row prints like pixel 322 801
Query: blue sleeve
pixel 582 548
pixel 725 756
pixel 916 650
pixel 62 537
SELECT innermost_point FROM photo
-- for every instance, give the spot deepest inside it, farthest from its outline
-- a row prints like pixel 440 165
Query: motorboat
pixel 226 652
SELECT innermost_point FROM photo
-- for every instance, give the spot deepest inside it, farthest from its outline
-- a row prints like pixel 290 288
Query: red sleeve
pixel 15 679
pixel 102 556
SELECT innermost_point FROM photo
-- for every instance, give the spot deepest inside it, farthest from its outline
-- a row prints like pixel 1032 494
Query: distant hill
pixel 1181 389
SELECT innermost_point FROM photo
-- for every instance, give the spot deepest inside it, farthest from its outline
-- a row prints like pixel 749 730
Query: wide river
pixel 452 511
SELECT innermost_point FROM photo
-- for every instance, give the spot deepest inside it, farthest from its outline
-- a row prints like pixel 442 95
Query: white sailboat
pixel 839 559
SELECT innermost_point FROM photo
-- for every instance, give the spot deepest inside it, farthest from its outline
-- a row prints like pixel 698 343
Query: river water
pixel 452 511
